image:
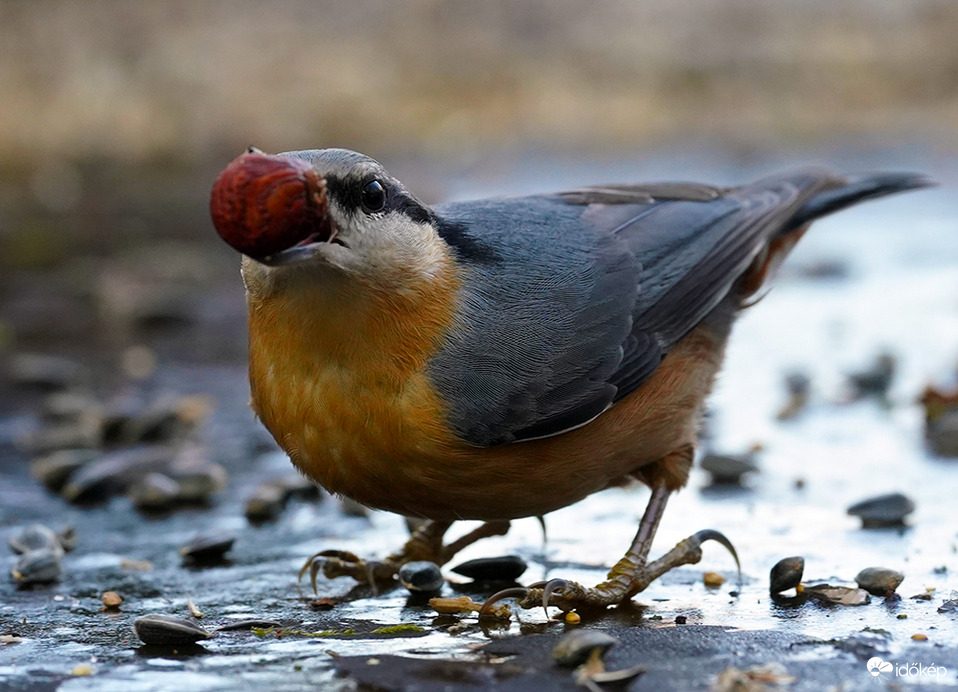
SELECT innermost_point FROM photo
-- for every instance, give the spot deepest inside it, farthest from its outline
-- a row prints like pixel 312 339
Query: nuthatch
pixel 500 358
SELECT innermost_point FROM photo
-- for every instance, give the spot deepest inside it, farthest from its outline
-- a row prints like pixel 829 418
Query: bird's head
pixel 331 214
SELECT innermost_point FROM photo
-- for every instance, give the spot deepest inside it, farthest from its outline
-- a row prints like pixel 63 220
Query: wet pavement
pixel 891 285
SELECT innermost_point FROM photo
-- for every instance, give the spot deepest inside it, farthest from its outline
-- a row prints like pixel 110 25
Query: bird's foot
pixel 342 563
pixel 425 543
pixel 624 580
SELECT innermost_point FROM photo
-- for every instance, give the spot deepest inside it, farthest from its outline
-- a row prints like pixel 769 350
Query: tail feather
pixel 856 189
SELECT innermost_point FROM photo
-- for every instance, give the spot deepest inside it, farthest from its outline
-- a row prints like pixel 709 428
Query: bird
pixel 501 358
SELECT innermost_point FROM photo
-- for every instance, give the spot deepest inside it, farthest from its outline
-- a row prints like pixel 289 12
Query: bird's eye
pixel 373 197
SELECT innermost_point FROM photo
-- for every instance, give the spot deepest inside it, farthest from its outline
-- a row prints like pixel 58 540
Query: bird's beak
pixel 274 209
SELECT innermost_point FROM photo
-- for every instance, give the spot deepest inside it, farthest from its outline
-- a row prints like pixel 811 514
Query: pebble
pixel 208 547
pixel 48 373
pixel 70 405
pixel 879 581
pixel 492 569
pixel 166 630
pixel 265 504
pixel 883 511
pixel 115 471
pixel 786 574
pixel 78 434
pixel 576 646
pixel 54 470
pixel 421 576
pixel 197 477
pixel 941 434
pixel 154 492
pixel 728 469
pixel 798 386
pixel 876 379
pixel 111 600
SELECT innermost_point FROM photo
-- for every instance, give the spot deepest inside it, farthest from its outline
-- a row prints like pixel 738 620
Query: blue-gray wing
pixel 571 301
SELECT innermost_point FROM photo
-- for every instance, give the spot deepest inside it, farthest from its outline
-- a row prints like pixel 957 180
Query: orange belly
pixel 382 441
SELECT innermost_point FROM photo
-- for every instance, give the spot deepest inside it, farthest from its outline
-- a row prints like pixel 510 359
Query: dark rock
pixel 40 566
pixel 115 472
pixel 34 537
pixel 154 492
pixel 875 380
pixel 54 470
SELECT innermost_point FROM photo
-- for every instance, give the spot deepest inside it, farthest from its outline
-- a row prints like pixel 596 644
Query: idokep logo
pixel 881 670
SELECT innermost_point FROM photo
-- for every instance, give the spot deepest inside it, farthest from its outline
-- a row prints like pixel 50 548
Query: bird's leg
pixel 425 543
pixel 631 574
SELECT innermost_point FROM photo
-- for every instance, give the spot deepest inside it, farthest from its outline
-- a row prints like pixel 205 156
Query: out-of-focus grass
pixel 180 80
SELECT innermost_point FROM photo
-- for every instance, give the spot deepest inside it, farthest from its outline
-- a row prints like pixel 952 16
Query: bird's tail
pixel 854 190
pixel 843 193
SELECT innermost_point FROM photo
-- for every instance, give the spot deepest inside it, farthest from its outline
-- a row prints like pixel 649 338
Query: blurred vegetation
pixel 183 80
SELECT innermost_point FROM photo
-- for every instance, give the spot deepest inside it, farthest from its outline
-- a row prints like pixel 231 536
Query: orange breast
pixel 340 381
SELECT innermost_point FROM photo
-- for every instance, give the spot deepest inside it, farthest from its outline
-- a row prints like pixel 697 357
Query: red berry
pixel 262 204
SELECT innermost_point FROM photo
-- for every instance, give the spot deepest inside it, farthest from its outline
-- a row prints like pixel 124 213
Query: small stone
pixel 48 373
pixel 681 619
pixel 949 605
pixel 154 492
pixel 577 646
pixel 726 469
pixel 883 511
pixel 713 579
pixel 111 600
pixel 876 379
pixel 941 434
pixel 54 470
pixel 265 504
pixel 421 577
pixel 197 476
pixel 879 581
pixel 492 569
pixel 166 630
pixel 786 574
pixel 76 434
pixel 115 472
pixel 208 547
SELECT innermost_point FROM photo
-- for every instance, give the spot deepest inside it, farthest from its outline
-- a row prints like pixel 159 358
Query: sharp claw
pixel 553 586
pixel 512 592
pixel 712 535
pixel 314 566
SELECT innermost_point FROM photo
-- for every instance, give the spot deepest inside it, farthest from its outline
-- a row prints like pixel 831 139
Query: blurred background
pixel 122 316
pixel 116 116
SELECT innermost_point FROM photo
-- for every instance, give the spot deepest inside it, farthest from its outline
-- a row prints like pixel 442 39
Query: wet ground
pixel 883 277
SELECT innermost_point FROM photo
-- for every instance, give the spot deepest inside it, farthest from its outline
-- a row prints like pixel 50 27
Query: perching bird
pixel 500 358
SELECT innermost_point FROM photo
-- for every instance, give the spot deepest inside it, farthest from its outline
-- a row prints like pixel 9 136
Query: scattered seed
pixel 572 618
pixel 82 670
pixel 576 646
pixel 37 567
pixel 919 637
pixel 166 630
pixel 208 547
pixel 786 574
pixel 840 595
pixel 879 581
pixel 727 469
pixel 492 569
pixel 421 576
pixel 713 579
pixel 883 511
